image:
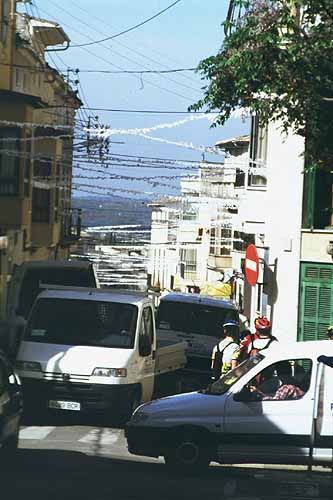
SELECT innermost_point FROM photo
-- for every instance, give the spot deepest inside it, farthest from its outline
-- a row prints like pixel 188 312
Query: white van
pixel 196 319
pixel 229 423
pixel 93 350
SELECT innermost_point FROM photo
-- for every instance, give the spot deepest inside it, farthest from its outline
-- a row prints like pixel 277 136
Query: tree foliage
pixel 277 61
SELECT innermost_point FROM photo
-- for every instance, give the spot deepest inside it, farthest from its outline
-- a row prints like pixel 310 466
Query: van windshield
pixel 83 322
pixel 229 379
pixel 193 318
pixel 68 276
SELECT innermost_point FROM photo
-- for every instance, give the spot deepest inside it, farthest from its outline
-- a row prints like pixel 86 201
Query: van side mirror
pixel 144 346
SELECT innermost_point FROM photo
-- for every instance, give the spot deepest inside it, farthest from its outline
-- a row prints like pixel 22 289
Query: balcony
pixel 219 262
pixel 70 226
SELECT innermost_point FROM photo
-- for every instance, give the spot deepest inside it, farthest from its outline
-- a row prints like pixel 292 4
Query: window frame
pixel 11 181
pixel 41 208
pixel 5 13
pixel 258 151
pixel 299 360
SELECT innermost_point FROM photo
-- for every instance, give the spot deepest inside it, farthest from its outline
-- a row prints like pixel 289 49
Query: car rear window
pixel 193 318
pixel 53 276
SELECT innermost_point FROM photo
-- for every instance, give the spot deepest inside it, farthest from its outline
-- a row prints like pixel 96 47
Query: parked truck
pixel 198 320
pixel 95 351
pixel 233 421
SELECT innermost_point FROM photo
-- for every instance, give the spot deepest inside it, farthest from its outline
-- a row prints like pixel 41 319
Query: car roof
pixel 305 349
pixel 196 298
pixel 43 264
pixel 94 294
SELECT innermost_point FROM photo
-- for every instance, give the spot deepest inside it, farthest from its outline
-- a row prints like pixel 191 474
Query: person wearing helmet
pixel 329 332
pixel 225 355
pixel 256 342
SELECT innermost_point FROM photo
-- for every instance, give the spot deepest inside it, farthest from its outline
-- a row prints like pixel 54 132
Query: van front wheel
pixel 187 454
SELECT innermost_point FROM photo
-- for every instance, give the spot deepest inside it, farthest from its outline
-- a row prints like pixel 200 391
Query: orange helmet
pixel 262 323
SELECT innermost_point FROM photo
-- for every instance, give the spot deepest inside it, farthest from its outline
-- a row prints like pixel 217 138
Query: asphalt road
pixel 71 458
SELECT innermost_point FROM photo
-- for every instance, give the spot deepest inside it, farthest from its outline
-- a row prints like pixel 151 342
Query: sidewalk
pixel 278 482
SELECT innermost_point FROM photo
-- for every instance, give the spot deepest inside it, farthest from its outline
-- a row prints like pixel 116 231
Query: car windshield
pixel 193 318
pixel 229 379
pixel 83 322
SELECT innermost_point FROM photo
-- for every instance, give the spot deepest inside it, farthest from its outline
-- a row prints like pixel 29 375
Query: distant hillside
pixel 115 210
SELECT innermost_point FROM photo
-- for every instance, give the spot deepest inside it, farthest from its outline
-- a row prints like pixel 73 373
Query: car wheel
pixel 188 454
pixel 134 400
pixel 8 449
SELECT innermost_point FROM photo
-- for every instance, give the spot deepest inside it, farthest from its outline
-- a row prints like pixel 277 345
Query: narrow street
pixel 73 458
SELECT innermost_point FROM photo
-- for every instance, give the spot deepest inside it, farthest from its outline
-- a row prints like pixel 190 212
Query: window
pixel 43 167
pixel 317 198
pixel 9 161
pixel 222 385
pixel 147 324
pixel 193 318
pixel 242 240
pixel 226 241
pixel 240 178
pixel 318 177
pixel 40 205
pixel 4 21
pixel 315 302
pixel 258 152
pixel 83 322
pixel 283 381
pixel 67 276
pixel 188 256
pixel 27 164
pixel 212 241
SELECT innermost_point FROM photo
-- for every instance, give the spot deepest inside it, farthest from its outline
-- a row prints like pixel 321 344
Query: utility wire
pixel 120 68
pixel 161 55
pixel 129 29
pixel 34 69
pixel 149 111
pixel 119 54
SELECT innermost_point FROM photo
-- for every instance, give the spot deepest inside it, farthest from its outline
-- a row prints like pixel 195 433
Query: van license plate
pixel 65 405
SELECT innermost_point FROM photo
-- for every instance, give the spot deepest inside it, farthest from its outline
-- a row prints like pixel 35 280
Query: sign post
pixel 251 265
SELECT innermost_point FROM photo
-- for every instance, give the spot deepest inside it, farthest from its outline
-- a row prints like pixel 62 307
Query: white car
pixel 231 422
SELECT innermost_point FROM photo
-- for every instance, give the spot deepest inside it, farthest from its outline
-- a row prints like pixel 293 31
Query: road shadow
pixel 60 474
pixel 65 418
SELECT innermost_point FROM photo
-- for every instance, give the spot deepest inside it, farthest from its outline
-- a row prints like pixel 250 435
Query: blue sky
pixel 179 38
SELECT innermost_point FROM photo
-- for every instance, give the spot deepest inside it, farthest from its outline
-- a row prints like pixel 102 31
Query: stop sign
pixel 251 265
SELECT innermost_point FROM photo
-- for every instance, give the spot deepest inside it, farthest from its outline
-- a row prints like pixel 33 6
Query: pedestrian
pixel 225 355
pixel 329 332
pixel 257 341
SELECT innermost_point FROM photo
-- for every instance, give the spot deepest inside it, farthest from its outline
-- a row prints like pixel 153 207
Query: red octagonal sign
pixel 251 265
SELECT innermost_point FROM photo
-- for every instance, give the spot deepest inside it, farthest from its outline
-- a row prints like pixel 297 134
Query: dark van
pixel 29 276
pixel 198 320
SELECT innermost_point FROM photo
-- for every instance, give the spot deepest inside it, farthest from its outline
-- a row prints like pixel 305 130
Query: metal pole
pixel 319 371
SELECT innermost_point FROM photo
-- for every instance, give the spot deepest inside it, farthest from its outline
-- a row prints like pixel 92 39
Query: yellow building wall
pixel 6 49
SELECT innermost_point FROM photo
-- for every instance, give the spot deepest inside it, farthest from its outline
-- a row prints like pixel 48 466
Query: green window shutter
pixel 316 301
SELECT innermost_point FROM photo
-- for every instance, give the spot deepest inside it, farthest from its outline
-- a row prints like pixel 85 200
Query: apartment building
pixel 37 112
